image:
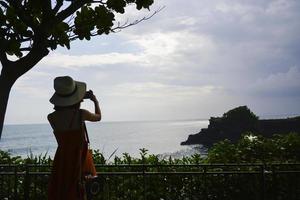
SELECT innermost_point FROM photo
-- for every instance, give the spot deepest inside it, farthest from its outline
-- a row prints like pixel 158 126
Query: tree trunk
pixel 11 71
pixel 5 87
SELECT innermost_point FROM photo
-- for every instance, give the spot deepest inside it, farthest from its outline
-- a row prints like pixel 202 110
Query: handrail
pixel 23 178
pixel 164 165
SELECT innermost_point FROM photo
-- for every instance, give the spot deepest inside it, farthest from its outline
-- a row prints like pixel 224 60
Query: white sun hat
pixel 67 91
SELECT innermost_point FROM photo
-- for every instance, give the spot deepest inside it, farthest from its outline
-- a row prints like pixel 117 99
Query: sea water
pixel 158 137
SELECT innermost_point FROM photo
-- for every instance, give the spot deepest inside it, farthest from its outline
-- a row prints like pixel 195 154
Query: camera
pixel 94 186
pixel 88 94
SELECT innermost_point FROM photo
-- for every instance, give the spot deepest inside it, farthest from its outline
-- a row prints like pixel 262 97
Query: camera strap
pixel 86 134
pixel 84 129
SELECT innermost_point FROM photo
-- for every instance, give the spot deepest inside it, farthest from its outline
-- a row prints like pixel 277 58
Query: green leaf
pixel 10 13
pixel 143 4
pixel 28 33
pixel 87 36
pixel 20 27
pixel 67 43
pixel 84 23
pixel 53 45
pixel 19 54
pixel 13 46
pixel 103 19
pixel 63 26
pixel 117 5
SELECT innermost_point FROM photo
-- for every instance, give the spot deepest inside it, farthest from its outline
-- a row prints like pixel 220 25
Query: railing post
pixel 274 181
pixel 26 183
pixel 15 182
pixel 144 183
pixel 262 169
pixel 205 183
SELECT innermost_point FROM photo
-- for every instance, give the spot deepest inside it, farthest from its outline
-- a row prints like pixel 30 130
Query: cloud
pixel 197 58
pixel 187 21
pixel 70 61
pixel 160 50
pixel 34 84
pixel 159 90
pixel 226 43
pixel 168 50
pixel 279 84
pixel 154 101
pixel 281 7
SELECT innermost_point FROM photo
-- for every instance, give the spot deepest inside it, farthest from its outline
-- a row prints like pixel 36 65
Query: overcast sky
pixel 195 59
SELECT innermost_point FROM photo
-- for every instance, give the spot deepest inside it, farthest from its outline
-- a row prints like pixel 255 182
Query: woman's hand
pixel 92 116
pixel 93 98
pixel 90 95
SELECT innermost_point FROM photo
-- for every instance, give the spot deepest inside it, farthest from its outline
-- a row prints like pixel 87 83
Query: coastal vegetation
pixel 213 176
pixel 251 148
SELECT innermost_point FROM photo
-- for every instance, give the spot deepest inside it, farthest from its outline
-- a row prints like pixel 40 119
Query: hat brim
pixel 70 100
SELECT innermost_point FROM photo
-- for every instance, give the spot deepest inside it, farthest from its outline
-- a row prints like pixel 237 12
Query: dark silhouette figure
pixel 67 122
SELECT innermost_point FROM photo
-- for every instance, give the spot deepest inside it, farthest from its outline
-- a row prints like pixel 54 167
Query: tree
pixel 29 29
pixel 241 117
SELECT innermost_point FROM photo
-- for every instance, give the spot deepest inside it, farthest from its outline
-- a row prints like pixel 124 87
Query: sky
pixel 193 60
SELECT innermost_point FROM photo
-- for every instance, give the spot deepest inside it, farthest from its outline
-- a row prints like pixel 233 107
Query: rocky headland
pixel 238 121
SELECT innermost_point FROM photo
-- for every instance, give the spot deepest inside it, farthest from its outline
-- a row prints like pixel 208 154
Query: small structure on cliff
pixel 238 121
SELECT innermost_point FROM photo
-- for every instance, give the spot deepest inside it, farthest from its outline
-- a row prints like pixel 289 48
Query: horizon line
pixel 264 116
pixel 117 121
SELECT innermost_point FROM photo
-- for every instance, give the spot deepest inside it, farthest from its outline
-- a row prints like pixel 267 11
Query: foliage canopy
pixel 251 148
pixel 24 24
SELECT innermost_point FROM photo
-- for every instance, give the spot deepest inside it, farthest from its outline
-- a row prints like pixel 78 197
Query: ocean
pixel 159 137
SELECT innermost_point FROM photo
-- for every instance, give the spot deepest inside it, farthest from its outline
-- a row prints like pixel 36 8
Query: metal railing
pixel 154 182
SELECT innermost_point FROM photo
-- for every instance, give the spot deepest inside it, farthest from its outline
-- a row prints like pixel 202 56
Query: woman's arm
pixel 93 117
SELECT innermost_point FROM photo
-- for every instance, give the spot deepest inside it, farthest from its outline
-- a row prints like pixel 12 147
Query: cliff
pixel 238 121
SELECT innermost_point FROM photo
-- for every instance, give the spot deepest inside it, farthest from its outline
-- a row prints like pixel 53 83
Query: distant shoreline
pixel 238 121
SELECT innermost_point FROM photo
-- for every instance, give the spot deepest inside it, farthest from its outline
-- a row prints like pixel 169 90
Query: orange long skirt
pixel 66 171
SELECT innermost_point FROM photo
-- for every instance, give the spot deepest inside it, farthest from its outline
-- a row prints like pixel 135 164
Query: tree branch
pixel 99 2
pixel 71 9
pixel 24 39
pixel 3 59
pixel 2 3
pixel 21 14
pixel 46 7
pixel 119 27
pixel 26 49
pixel 27 62
pixel 71 18
pixel 126 24
pixel 58 6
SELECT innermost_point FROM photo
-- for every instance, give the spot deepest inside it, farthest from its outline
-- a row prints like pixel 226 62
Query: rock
pixel 238 121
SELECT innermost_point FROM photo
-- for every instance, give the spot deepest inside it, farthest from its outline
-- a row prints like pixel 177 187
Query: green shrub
pixel 212 185
pixel 253 148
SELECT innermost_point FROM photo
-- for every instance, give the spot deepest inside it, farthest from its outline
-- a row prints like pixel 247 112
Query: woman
pixel 67 124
